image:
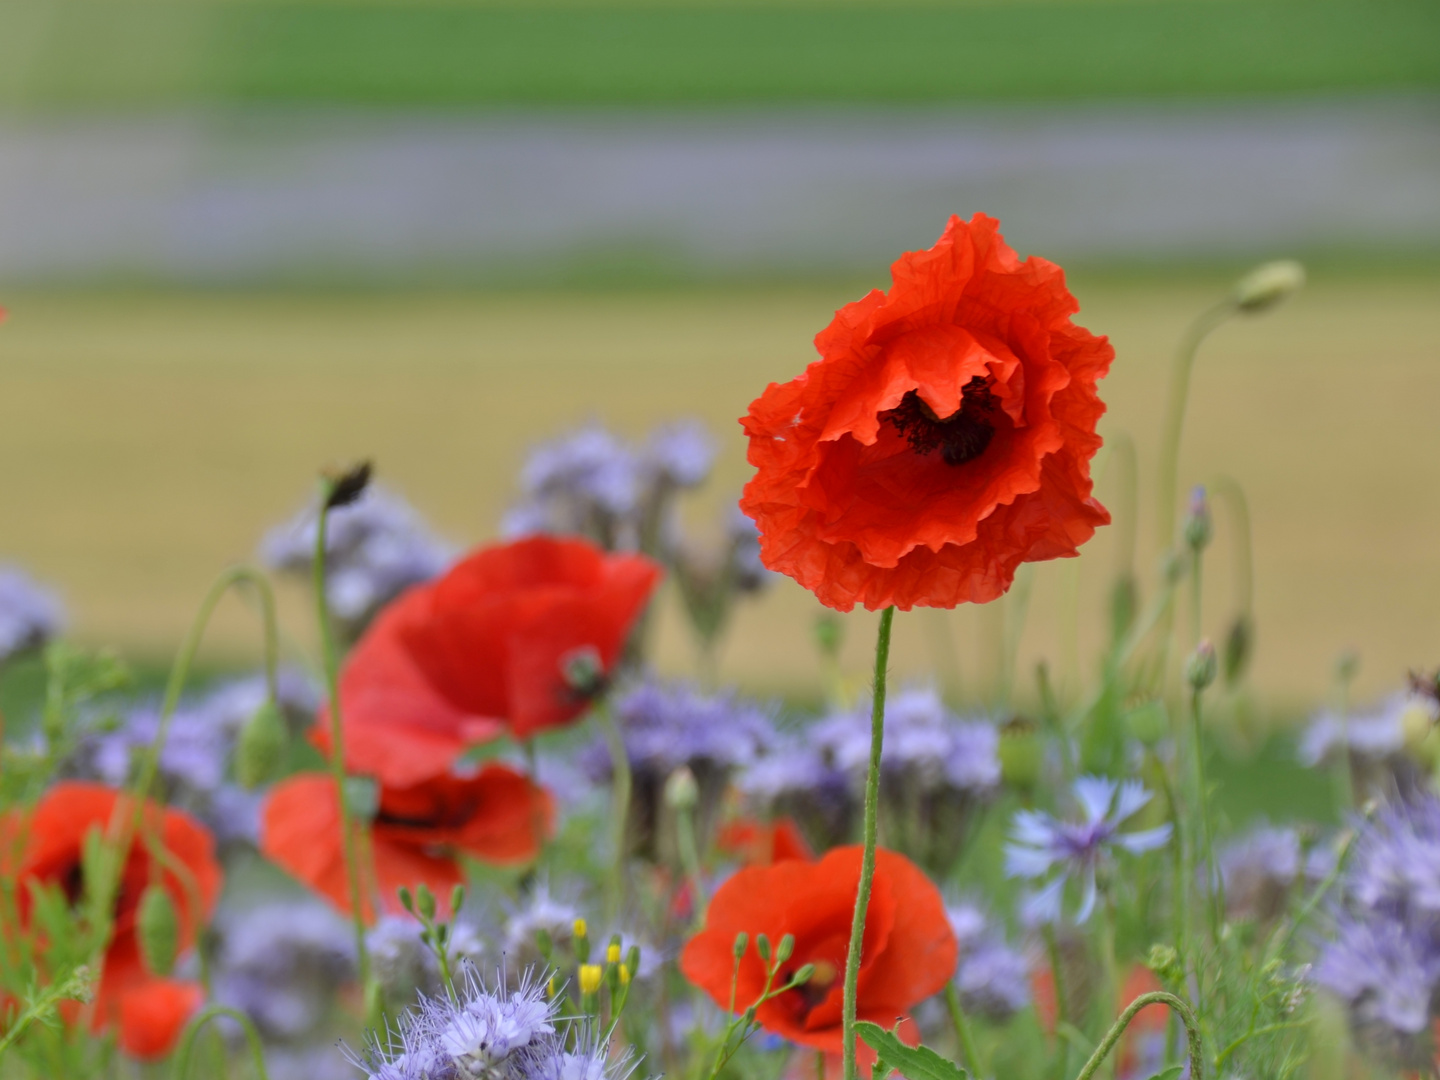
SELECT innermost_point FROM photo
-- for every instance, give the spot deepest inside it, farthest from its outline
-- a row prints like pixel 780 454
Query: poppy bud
pixel 157 927
pixel 1239 643
pixel 829 633
pixel 1200 668
pixel 260 749
pixel 681 790
pixel 1198 526
pixel 590 977
pixel 1020 753
pixel 787 948
pixel 1268 284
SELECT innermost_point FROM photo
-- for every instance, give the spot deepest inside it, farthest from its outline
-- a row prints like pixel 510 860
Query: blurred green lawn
pixel 148 439
pixel 116 53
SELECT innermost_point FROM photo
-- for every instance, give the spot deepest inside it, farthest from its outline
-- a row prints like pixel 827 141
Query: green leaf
pixel 1172 1073
pixel 915 1062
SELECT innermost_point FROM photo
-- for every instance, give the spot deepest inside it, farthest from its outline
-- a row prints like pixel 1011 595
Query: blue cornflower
pixel 1041 843
pixel 378 547
pixel 30 615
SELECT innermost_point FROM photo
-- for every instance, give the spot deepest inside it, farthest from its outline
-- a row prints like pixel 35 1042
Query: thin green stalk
pixel 186 1048
pixel 690 859
pixel 1062 1002
pixel 1230 492
pixel 1160 997
pixel 867 863
pixel 970 1057
pixel 620 807
pixel 330 661
pixel 1214 888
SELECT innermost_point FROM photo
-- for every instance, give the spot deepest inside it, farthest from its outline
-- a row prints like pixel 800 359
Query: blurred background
pixel 241 239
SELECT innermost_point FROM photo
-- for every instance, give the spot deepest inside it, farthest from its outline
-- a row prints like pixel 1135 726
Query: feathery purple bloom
pixel 1041 843
pixel 30 615
pixel 992 978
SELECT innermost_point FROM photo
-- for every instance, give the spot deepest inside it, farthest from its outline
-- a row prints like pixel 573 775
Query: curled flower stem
pixel 867 863
pixel 620 808
pixel 330 661
pixel 1158 997
pixel 186 1049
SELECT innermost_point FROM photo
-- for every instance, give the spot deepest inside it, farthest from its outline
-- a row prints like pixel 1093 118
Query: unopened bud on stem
pixel 1267 285
pixel 1200 668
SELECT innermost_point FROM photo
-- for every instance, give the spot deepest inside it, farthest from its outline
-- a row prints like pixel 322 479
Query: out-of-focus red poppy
pixel 153 1013
pixel 763 843
pixel 909 950
pixel 44 846
pixel 498 815
pixel 484 649
pixel 943 438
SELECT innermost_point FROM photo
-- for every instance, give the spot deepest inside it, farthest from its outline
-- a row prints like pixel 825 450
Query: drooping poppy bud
pixel 1268 284
pixel 158 928
pixel 260 750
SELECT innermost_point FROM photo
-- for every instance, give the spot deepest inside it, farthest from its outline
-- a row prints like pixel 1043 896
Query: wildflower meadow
pixel 474 833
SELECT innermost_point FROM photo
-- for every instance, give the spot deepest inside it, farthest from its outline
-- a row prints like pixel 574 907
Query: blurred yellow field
pixel 148 440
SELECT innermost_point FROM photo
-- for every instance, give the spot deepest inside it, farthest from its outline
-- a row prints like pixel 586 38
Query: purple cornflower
pixel 377 547
pixel 667 725
pixel 993 979
pixel 1041 843
pixel 30 615
pixel 283 963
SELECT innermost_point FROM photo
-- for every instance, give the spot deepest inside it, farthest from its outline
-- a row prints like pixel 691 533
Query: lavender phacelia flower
pixel 1080 849
pixel 992 978
pixel 796 779
pixel 1260 869
pixel 680 453
pixel 504 1034
pixel 282 963
pixel 1376 741
pixel 377 547
pixel 30 614
pixel 668 725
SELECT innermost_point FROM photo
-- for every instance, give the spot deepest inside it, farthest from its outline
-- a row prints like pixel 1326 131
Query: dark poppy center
pixel 960 437
pixel 811 994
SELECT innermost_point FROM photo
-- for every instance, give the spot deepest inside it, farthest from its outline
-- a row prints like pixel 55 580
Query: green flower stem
pixel 43 1007
pixel 867 864
pixel 690 859
pixel 970 1057
pixel 622 781
pixel 1160 997
pixel 1213 885
pixel 1229 491
pixel 330 662
pixel 1062 1002
pixel 186 1050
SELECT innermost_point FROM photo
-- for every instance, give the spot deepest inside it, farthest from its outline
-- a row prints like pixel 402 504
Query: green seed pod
pixel 762 946
pixel 1198 525
pixel 786 949
pixel 1267 285
pixel 260 751
pixel 804 975
pixel 157 926
pixel 1200 668
pixel 742 940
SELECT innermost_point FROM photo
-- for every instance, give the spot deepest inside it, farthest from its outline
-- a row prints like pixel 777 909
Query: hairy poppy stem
pixel 1158 997
pixel 331 663
pixel 867 864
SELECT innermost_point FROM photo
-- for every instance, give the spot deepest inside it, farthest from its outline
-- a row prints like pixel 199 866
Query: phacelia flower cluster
pixel 1376 741
pixel 993 977
pixel 376 547
pixel 1383 958
pixel 30 614
pixel 494 1035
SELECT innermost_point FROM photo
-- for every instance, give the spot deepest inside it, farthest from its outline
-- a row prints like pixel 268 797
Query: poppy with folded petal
pixel 909 950
pixel 943 438
pixel 498 816
pixel 483 650
pixel 44 847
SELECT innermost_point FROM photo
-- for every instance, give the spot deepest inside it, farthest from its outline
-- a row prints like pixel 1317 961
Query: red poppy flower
pixel 153 1013
pixel 758 843
pixel 44 846
pixel 486 643
pixel 943 438
pixel 498 815
pixel 909 950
